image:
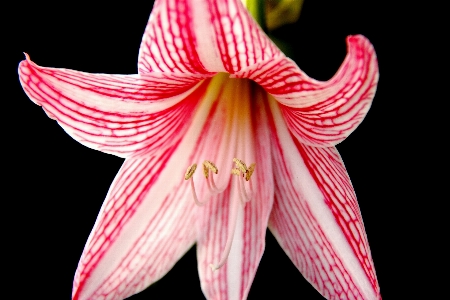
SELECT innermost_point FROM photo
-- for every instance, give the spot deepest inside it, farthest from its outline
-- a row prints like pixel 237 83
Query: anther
pixel 236 172
pixel 190 171
pixel 241 169
pixel 251 169
pixel 209 166
pixel 240 165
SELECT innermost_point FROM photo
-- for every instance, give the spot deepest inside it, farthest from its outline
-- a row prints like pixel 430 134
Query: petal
pixel 142 230
pixel 117 114
pixel 173 39
pixel 316 219
pixel 239 39
pixel 322 113
pixel 146 223
pixel 201 37
pixel 244 135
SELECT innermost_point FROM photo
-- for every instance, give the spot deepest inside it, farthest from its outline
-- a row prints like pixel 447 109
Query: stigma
pixel 243 174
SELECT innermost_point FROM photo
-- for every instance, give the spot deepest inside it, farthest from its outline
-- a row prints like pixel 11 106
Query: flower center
pixel 231 115
pixel 242 173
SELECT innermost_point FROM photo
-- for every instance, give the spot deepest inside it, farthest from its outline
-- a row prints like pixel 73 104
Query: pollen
pixel 240 165
pixel 236 172
pixel 190 171
pixel 250 171
pixel 241 169
pixel 209 166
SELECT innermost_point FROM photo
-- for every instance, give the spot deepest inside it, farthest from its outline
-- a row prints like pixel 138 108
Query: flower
pixel 214 91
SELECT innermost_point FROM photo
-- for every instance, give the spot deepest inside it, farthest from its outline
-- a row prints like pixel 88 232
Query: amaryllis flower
pixel 223 136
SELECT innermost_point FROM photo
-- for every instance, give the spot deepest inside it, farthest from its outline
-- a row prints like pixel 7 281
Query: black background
pixel 57 185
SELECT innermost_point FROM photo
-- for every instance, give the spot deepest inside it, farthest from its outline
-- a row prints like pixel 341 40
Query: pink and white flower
pixel 213 89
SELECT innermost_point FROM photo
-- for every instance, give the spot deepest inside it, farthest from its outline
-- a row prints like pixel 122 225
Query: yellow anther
pixel 205 171
pixel 240 165
pixel 207 166
pixel 235 172
pixel 190 171
pixel 251 169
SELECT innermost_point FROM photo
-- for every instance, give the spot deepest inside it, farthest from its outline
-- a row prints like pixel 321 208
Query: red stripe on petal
pixel 147 220
pixel 321 113
pixel 327 169
pixel 316 219
pixel 124 198
pixel 169 42
pixel 243 133
pixel 144 227
pixel 117 114
pixel 240 40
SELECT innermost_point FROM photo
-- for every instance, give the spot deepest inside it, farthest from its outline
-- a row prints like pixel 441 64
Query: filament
pixel 226 252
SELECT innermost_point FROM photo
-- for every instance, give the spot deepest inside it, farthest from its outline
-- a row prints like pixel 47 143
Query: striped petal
pixel 322 113
pixel 144 227
pixel 317 113
pixel 316 219
pixel 240 41
pixel 147 221
pixel 177 39
pixel 117 114
pixel 244 134
pixel 202 37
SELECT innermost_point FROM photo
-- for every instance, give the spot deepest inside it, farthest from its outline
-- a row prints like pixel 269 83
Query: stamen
pixel 240 165
pixel 188 176
pixel 234 216
pixel 208 166
pixel 212 185
pixel 244 195
pixel 190 171
pixel 242 172
pixel 247 173
pixel 236 172
pixel 251 169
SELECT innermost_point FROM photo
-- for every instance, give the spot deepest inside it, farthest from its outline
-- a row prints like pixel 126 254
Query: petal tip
pixel 359 39
pixel 27 57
